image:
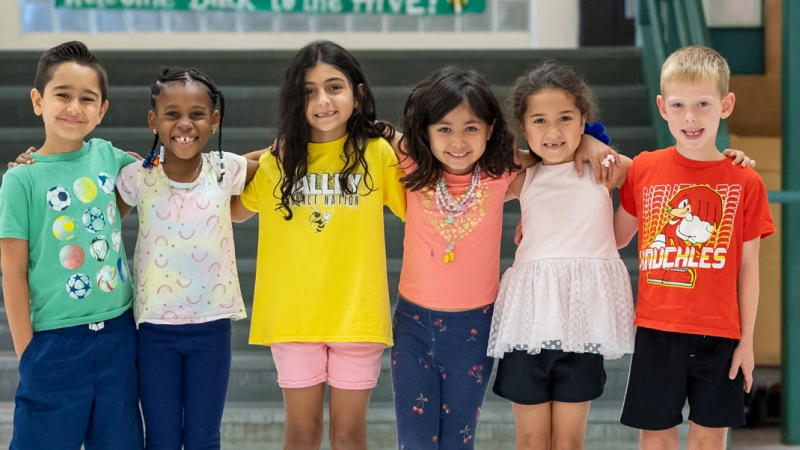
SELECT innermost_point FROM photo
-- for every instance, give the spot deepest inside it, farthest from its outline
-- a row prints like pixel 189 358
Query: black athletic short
pixel 551 375
pixel 667 368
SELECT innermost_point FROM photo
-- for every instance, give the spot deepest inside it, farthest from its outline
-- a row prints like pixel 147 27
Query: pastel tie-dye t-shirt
pixel 185 262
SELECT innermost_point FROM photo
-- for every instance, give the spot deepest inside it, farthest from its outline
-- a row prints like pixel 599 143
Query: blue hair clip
pixel 598 131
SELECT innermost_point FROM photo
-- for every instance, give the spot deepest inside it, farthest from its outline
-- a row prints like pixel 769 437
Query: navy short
pixel 78 386
pixel 552 375
pixel 667 368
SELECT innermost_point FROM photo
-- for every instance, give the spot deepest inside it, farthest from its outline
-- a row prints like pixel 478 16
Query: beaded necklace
pixel 451 209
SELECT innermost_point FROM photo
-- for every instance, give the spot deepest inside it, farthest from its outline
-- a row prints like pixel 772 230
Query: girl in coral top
pixel 458 157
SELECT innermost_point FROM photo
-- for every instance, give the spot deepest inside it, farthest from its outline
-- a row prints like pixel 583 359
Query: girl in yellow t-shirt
pixel 321 296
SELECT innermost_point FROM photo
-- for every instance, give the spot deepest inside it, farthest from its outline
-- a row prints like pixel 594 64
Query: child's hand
pixel 135 155
pixel 743 359
pixel 24 158
pixel 596 153
pixel 739 158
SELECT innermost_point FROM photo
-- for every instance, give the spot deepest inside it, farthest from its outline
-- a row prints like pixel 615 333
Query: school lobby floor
pixel 762 438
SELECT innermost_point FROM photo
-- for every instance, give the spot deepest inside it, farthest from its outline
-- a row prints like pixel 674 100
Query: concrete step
pixel 258 106
pixel 259 425
pixel 13 141
pixel 254 378
pixel 601 65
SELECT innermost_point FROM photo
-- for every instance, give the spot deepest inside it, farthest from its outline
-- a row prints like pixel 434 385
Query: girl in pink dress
pixel 566 303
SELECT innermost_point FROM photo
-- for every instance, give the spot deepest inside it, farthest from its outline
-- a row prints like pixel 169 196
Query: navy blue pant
pixel 78 387
pixel 440 373
pixel 183 381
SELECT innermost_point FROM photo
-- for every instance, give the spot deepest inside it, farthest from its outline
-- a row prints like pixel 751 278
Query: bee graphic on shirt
pixel 319 219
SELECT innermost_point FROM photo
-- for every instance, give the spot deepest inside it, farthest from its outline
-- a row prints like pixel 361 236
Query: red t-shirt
pixel 693 218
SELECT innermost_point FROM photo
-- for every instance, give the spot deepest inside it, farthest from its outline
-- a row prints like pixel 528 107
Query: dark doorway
pixel 603 22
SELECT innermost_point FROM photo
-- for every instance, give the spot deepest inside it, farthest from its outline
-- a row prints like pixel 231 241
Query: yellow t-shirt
pixel 321 277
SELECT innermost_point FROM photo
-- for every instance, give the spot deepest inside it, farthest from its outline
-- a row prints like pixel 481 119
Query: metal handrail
pixel 663 26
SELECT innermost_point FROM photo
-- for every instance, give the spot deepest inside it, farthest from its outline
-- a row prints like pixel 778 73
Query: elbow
pixel 622 241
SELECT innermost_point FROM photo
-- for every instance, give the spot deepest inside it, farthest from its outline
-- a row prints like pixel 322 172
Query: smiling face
pixel 553 125
pixel 71 107
pixel 693 112
pixel 330 101
pixel 184 118
pixel 459 139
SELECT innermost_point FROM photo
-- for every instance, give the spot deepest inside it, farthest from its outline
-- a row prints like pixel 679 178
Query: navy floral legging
pixel 440 373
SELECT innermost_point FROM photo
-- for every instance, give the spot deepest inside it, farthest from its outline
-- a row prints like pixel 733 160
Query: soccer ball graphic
pixel 58 198
pixel 64 228
pixel 111 213
pixel 116 239
pixel 106 182
pixel 107 278
pixel 85 189
pixel 99 248
pixel 79 286
pixel 71 256
pixel 122 269
pixel 93 220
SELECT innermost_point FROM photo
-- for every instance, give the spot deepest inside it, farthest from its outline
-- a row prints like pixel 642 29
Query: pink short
pixel 344 365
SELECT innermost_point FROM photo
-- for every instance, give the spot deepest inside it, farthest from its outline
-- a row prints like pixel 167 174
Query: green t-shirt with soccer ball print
pixel 65 206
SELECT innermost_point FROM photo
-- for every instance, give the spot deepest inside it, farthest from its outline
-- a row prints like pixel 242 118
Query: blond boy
pixel 700 222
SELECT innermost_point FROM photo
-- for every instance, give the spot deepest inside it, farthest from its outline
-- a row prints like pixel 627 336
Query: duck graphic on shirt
pixel 694 217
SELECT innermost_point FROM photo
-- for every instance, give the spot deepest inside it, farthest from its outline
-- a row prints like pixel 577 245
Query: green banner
pixel 397 7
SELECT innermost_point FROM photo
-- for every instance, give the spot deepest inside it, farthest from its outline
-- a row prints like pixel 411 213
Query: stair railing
pixel 663 26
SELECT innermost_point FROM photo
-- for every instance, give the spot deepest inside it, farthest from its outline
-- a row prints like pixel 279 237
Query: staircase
pixel 249 80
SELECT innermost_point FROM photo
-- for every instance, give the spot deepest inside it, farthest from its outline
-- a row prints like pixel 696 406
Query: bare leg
pixel 348 412
pixel 704 438
pixel 659 440
pixel 532 423
pixel 569 425
pixel 303 430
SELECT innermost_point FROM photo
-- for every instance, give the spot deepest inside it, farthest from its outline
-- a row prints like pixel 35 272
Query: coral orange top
pixel 472 279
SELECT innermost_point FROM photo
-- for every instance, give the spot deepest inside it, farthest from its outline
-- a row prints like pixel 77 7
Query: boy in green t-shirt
pixel 66 283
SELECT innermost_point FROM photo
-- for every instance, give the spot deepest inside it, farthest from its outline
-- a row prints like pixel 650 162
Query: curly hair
pixel 434 98
pixel 294 131
pixel 551 74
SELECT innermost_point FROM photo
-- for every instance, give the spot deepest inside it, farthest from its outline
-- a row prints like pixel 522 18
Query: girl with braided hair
pixel 187 289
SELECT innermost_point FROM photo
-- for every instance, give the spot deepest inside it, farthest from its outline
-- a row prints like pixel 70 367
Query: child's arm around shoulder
pixel 255 178
pixel 625 224
pixel 252 168
pixel 620 173
pixel 394 193
pixel 16 291
pixel 625 227
pixel 515 188
pixel 127 190
pixel 748 287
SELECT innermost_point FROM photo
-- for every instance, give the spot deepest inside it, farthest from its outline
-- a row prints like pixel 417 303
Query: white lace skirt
pixel 574 305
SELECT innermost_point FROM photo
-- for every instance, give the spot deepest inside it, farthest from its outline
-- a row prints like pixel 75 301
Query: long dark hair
pixel 181 75
pixel 434 98
pixel 294 132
